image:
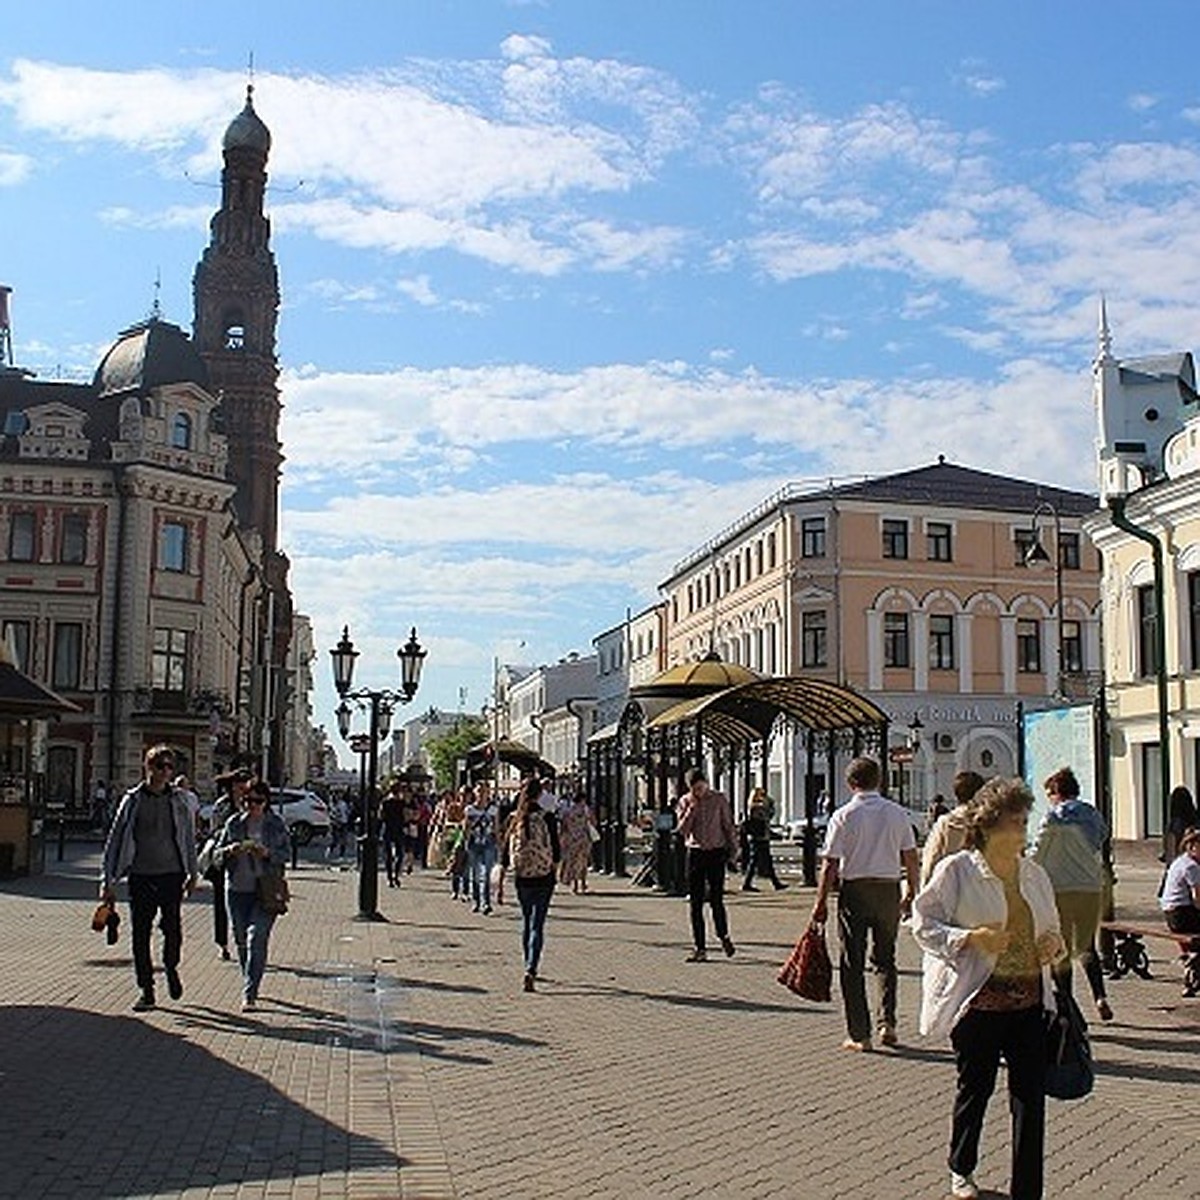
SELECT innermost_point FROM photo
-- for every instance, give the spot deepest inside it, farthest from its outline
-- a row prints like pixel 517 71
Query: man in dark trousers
pixel 706 826
pixel 153 843
pixel 868 841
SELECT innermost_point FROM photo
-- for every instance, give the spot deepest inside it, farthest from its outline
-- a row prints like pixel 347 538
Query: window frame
pixel 181 424
pixel 814 638
pixel 66 660
pixel 894 532
pixel 812 537
pixel 1070 662
pixel 72 526
pixel 942 655
pixel 939 536
pixel 1147 621
pixel 1070 552
pixel 897 641
pixel 21 525
pixel 22 641
pixel 168 553
pixel 1029 646
pixel 170 660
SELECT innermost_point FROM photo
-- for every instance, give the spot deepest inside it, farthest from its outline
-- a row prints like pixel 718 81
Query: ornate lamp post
pixel 1038 557
pixel 379 705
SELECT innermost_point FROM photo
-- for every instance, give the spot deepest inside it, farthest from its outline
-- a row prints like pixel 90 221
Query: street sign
pixel 900 754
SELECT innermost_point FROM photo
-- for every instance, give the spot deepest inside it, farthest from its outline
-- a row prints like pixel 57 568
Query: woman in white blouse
pixel 989 928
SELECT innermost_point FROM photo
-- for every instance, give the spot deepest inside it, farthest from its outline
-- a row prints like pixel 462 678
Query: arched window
pixel 234 330
pixel 181 431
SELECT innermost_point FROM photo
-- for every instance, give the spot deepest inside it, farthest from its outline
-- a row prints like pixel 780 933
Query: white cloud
pixel 1142 101
pixel 418 290
pixel 14 168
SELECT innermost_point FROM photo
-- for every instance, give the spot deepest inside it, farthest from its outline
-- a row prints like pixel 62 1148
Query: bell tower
pixel 236 296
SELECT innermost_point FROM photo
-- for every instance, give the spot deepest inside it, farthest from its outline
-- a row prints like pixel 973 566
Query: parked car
pixel 305 813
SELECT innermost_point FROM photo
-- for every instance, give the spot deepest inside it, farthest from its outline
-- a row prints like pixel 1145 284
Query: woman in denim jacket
pixel 253 842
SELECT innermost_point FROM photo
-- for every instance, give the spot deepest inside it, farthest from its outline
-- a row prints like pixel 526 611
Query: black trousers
pixel 1183 920
pixel 220 912
pixel 979 1039
pixel 868 906
pixel 150 895
pixel 706 878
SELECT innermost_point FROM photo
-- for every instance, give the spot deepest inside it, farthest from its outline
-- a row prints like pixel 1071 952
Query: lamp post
pixel 1037 557
pixel 379 705
pixel 913 741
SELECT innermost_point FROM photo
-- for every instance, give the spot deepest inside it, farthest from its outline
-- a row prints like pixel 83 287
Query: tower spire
pixel 1104 336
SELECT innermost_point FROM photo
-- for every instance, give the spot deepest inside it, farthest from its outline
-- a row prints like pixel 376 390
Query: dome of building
pixel 149 355
pixel 710 674
pixel 247 130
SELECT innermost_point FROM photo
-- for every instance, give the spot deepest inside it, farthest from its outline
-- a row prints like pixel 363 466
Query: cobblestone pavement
pixel 404 1060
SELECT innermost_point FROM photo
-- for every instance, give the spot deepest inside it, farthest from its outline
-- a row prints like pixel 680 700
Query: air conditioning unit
pixel 943 741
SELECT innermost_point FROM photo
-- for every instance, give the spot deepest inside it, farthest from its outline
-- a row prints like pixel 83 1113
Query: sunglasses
pixel 161 764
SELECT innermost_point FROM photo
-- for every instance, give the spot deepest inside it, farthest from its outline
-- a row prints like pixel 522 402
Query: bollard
pixel 62 836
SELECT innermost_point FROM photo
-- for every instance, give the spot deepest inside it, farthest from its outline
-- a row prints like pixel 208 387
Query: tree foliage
pixel 445 751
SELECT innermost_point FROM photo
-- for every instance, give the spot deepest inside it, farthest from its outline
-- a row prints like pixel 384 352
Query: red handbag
pixel 808 971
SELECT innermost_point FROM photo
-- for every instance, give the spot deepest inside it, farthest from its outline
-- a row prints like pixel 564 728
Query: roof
pixel 246 130
pixel 1159 368
pixel 20 393
pixel 746 713
pixel 22 698
pixel 148 355
pixel 708 675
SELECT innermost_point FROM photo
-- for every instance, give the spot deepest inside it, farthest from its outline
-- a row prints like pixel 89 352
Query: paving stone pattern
pixel 405 1060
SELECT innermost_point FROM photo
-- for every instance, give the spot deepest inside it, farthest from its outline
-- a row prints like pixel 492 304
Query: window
pixel 72 545
pixel 1147 630
pixel 181 432
pixel 1029 647
pixel 169 667
pixel 68 656
pixel 770 552
pixel 235 334
pixel 814 645
pixel 1068 551
pixel 937 537
pixel 812 537
pixel 1023 542
pixel 941 643
pixel 173 546
pixel 17 635
pixel 1071 649
pixel 758 557
pixel 1193 591
pixel 895 539
pixel 22 537
pixel 895 640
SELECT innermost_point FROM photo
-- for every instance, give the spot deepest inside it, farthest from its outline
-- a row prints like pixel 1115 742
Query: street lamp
pixel 379 704
pixel 913 741
pixel 1038 558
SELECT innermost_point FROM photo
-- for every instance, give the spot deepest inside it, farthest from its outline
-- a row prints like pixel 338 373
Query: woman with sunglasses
pixel 253 842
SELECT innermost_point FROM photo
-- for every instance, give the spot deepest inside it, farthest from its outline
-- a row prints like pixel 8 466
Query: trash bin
pixel 8 856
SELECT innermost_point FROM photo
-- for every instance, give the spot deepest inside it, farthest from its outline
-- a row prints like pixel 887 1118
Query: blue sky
pixel 569 286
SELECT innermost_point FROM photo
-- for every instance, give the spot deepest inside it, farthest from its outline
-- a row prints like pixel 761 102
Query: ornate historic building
pixel 140 575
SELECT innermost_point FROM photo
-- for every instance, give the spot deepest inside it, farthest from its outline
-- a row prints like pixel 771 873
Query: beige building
pixel 912 589
pixel 1149 468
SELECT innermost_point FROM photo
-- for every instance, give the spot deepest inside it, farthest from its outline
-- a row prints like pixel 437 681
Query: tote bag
pixel 1069 1071
pixel 808 971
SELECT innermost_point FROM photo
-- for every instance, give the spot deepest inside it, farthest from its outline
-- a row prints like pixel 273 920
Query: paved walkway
pixel 404 1060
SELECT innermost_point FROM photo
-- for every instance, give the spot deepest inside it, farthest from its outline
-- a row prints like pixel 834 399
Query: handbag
pixel 204 860
pixel 1069 1071
pixel 273 893
pixel 593 833
pixel 808 971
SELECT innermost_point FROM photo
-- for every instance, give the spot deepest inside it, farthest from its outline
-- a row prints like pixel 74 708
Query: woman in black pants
pixel 235 785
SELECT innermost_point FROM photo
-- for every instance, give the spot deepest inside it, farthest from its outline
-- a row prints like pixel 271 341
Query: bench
pixel 1129 951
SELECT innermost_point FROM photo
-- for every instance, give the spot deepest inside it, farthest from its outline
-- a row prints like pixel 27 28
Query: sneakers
pixel 144 1003
pixel 174 984
pixel 224 954
pixel 962 1187
pixel 528 982
pixel 1104 1009
pixel 863 1047
pixel 728 946
pixel 697 956
pixel 249 1005
pixel 887 1035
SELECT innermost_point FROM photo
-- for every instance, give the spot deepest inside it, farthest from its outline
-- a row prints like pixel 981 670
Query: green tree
pixel 445 751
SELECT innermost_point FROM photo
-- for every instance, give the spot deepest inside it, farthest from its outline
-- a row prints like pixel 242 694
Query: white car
pixel 305 813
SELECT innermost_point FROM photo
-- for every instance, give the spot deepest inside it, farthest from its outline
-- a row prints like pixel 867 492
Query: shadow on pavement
pixel 106 1106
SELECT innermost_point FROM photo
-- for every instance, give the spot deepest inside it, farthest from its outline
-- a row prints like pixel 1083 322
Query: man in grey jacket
pixel 152 842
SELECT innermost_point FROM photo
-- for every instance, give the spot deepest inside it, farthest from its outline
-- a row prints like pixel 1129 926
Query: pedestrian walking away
pixel 705 822
pixel 949 832
pixel 575 835
pixel 253 844
pixel 391 818
pixel 988 926
pixel 756 842
pixel 152 842
pixel 532 852
pixel 234 785
pixel 869 841
pixel 1074 849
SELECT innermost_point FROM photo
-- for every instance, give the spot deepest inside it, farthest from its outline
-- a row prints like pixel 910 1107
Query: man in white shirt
pixel 867 842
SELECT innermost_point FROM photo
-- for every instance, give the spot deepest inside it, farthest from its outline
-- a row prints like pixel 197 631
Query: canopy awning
pixel 24 699
pixel 515 754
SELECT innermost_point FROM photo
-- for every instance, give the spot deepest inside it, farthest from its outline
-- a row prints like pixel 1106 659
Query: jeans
pixel 252 933
pixel 534 898
pixel 757 857
pixel 706 873
pixel 868 906
pixel 979 1039
pixel 391 856
pixel 1079 916
pixel 480 861
pixel 148 896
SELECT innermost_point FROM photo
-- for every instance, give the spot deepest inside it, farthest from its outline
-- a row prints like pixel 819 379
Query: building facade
pixel 141 577
pixel 1149 535
pixel 914 590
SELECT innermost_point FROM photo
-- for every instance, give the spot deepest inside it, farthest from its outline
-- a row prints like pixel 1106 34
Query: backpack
pixel 531 853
